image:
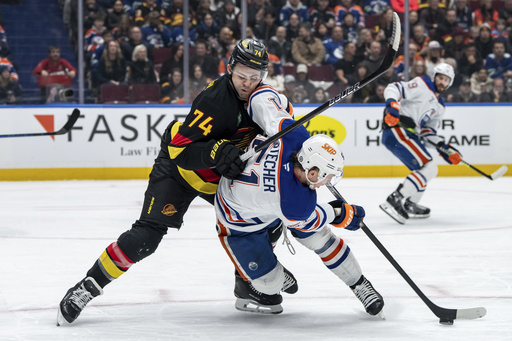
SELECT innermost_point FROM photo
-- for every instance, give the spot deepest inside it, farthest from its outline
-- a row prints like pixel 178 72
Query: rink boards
pixel 121 142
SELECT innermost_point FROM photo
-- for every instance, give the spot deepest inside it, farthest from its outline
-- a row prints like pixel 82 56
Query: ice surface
pixel 52 232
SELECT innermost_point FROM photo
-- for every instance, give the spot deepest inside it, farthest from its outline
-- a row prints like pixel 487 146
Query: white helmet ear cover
pixel 444 69
pixel 324 153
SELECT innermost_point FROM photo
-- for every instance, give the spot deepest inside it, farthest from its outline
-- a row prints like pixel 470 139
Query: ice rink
pixel 52 232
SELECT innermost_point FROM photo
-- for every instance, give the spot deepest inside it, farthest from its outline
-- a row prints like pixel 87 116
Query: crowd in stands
pixel 317 47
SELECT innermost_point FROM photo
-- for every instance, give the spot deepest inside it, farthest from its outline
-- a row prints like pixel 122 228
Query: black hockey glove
pixel 225 157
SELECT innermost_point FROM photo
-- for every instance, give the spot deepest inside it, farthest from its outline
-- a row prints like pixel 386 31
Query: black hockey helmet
pixel 251 53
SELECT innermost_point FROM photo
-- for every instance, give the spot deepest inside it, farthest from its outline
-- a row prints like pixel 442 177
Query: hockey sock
pixel 110 265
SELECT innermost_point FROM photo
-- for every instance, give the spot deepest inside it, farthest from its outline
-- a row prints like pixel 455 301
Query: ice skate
pixel 372 301
pixel 76 299
pixel 251 300
pixel 416 211
pixel 394 207
pixel 290 285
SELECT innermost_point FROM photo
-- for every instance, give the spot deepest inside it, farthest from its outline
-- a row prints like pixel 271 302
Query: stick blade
pixel 471 313
pixel 500 172
pixel 70 123
pixel 395 36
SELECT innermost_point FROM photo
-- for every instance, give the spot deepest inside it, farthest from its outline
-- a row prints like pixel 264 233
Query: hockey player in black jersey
pixel 192 158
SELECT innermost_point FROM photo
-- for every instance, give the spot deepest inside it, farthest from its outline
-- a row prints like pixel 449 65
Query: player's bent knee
pixel 318 239
pixel 272 282
pixel 141 240
pixel 429 170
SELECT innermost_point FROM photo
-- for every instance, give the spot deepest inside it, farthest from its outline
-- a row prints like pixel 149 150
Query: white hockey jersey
pixel 418 101
pixel 268 190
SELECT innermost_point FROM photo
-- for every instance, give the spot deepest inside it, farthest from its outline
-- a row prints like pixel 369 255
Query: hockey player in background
pixel 279 185
pixel 413 114
pixel 192 158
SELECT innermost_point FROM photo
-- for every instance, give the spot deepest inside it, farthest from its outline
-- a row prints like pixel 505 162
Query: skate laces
pixel 81 297
pixel 365 293
pixel 289 281
pixel 287 241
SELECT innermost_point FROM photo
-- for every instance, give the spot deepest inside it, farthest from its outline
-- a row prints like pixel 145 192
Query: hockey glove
pixel 225 157
pixel 351 216
pixel 392 116
pixel 449 153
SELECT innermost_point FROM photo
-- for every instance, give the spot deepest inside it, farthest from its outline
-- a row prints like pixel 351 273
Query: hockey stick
pixel 385 65
pixel 446 316
pixel 502 170
pixel 65 129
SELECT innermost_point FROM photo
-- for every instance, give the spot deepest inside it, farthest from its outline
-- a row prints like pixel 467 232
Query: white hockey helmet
pixel 444 69
pixel 322 152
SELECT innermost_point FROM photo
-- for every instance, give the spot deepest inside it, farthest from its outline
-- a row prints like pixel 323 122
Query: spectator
pixel 501 30
pixel 386 24
pixel 454 47
pixel 347 6
pixel 399 5
pixel 293 7
pixel 5 52
pixel 10 90
pixel 481 82
pixel 98 52
pixel 173 14
pixel 483 42
pixel 178 34
pixel 388 77
pixel 443 32
pixel 121 33
pixel 418 68
pixel 140 69
pixel 363 43
pixel 486 14
pixel 175 61
pixel 207 28
pixel 114 16
pixel 281 47
pixel 111 67
pixel 499 63
pixel 198 81
pixel 302 80
pixel 506 12
pixel 414 19
pixel 321 12
pixel 7 63
pixel 434 56
pixel 173 90
pixel 307 49
pixel 93 37
pixel 289 86
pixel 135 40
pixel 399 64
pixel 470 60
pixel 334 46
pixel 203 9
pixel 497 94
pixel 256 11
pixel 208 63
pixel 155 33
pixel 223 42
pixel 321 32
pixel 226 16
pixel 350 28
pixel 375 7
pixel 273 79
pixel 464 94
pixel 378 96
pixel 344 68
pixel 91 11
pixel 223 63
pixel 266 29
pixel 319 96
pixel 420 39
pixel 292 27
pixel 431 16
pixel 53 70
pixel 374 58
pixel 361 72
pixel 464 14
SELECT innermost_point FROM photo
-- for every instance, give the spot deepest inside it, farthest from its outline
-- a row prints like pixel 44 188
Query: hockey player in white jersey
pixel 414 111
pixel 278 185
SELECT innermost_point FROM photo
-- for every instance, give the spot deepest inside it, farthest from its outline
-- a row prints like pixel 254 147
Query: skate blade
pixel 418 216
pixel 381 315
pixel 390 211
pixel 253 307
